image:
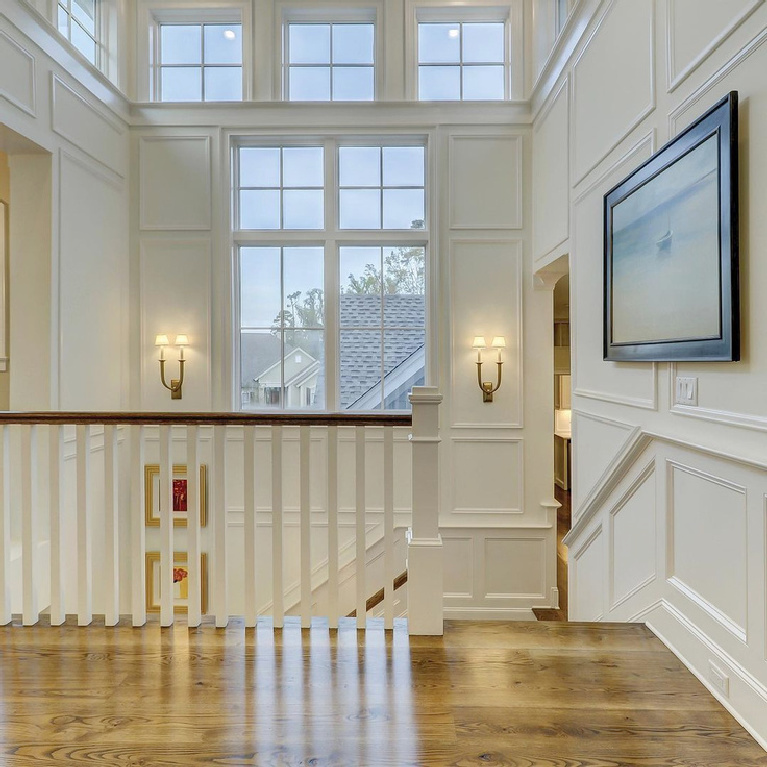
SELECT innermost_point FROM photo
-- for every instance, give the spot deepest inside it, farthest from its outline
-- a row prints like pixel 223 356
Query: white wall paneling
pixel 487 476
pixel 692 36
pixel 486 299
pixel 486 181
pixel 90 129
pixel 175 182
pixel 515 563
pixel 551 179
pixel 17 75
pixel 707 523
pixel 587 576
pixel 175 298
pixel 625 37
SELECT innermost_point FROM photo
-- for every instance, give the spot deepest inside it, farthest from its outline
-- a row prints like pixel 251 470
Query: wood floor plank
pixel 527 695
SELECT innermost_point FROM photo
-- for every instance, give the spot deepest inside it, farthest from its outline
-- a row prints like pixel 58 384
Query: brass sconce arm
pixel 175 383
pixel 487 386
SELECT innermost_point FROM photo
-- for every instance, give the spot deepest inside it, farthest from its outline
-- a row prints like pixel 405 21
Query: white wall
pixel 680 542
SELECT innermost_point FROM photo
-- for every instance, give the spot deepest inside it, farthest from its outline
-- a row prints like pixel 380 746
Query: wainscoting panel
pixel 17 75
pixel 175 182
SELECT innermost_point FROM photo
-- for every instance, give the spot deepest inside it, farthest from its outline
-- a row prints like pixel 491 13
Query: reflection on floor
pixel 564 518
pixel 522 694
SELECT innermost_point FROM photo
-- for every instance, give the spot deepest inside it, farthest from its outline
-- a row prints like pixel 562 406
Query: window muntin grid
pixel 79 22
pixel 330 61
pixel 200 62
pixel 462 60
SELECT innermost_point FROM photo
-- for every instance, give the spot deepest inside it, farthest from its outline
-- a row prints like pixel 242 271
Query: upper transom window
pixel 331 61
pixel 78 21
pixel 461 61
pixel 200 62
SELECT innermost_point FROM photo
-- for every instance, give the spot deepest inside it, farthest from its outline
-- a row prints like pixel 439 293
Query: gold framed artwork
pixel 180 582
pixel 179 512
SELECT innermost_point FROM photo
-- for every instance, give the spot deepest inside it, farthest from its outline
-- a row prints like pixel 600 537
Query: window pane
pixel 303 166
pixel 223 44
pixel 404 277
pixel 439 83
pixel 483 42
pixel 482 83
pixel 260 209
pixel 404 365
pixel 439 43
pixel 404 165
pixel 303 209
pixel 359 166
pixel 360 209
pixel 223 83
pixel 309 83
pixel 259 287
pixel 360 281
pixel 360 384
pixel 181 84
pixel 353 43
pixel 260 166
pixel 63 22
pixel 304 369
pixel 85 44
pixel 85 12
pixel 180 44
pixel 304 275
pixel 261 369
pixel 353 84
pixel 309 43
pixel 403 209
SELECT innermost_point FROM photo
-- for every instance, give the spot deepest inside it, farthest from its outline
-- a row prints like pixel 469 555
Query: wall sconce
pixel 499 342
pixel 182 340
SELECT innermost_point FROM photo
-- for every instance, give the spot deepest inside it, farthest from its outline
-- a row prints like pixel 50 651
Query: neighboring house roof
pixel 360 351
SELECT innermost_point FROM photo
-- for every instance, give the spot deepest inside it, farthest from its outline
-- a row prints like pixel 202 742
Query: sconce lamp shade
pixel 182 340
pixel 499 342
pixel 161 340
pixel 479 343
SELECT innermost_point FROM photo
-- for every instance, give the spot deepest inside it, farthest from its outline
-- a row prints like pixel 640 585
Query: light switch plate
pixel 686 392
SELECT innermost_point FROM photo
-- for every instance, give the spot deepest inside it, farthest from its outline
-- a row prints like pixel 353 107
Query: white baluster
pixel 424 551
pixel 166 528
pixel 111 530
pixel 388 486
pixel 333 526
pixel 194 494
pixel 249 498
pixel 55 458
pixel 306 528
pixel 278 603
pixel 84 549
pixel 137 518
pixel 361 552
pixel 219 510
pixel 29 527
pixel 5 526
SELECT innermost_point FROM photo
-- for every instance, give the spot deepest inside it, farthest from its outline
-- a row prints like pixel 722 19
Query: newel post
pixel 424 543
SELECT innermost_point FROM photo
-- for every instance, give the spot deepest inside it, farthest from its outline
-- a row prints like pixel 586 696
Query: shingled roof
pixel 360 346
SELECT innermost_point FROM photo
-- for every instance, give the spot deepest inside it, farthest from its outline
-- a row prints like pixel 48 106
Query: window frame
pixel 151 14
pixel 332 238
pixel 510 12
pixel 342 12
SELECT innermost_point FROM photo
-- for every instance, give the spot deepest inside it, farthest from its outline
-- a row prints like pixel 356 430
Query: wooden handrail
pixel 64 418
pixel 378 597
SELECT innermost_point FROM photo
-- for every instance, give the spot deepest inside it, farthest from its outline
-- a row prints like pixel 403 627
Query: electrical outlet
pixel 686 391
pixel 719 679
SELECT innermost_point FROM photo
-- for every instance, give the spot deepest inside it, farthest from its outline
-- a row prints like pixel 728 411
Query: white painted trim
pixel 673 78
pixel 644 112
pixel 31 110
pixel 488 613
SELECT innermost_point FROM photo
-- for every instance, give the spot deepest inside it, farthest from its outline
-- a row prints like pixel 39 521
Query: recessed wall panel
pixel 175 183
pixel 487 476
pixel 515 567
pixel 459 566
pixel 588 603
pixel 486 182
pixel 17 75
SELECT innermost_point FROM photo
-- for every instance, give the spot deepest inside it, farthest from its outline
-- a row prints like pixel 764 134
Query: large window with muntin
pixel 331 242
pixel 79 21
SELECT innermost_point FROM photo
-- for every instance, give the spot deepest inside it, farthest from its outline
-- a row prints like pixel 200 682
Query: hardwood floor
pixel 524 694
